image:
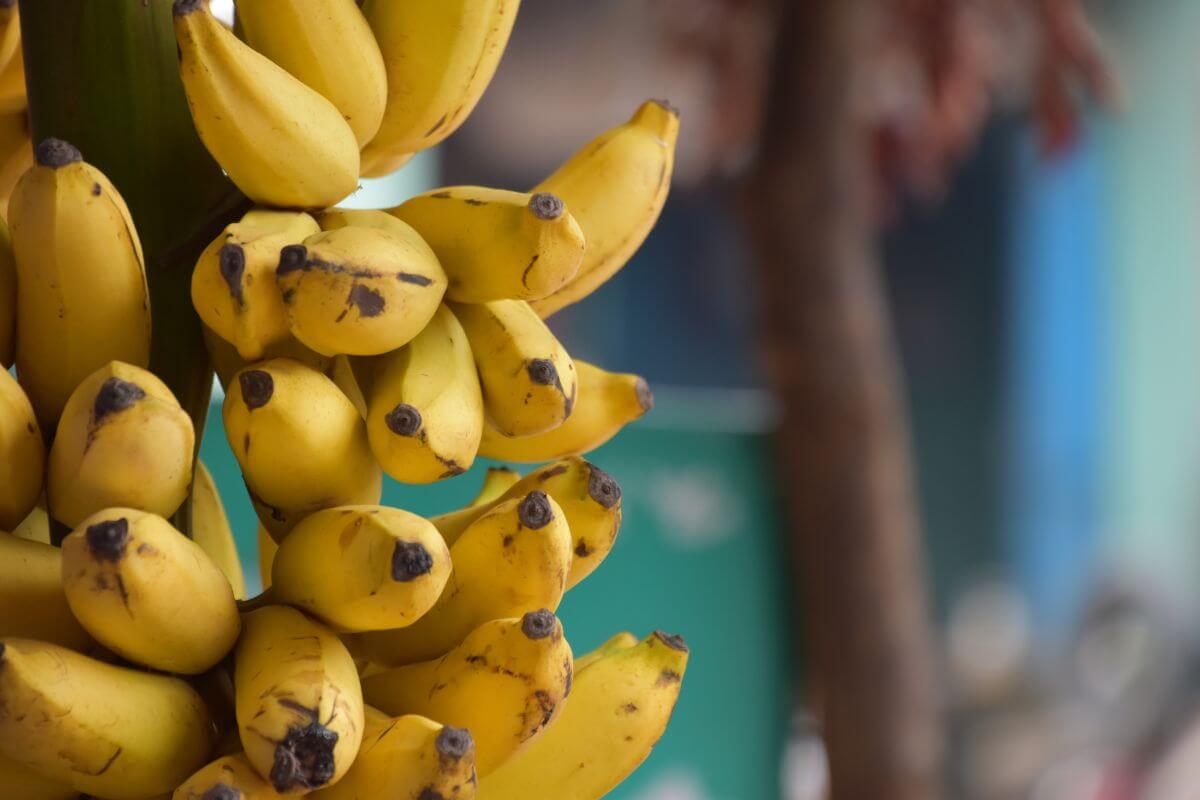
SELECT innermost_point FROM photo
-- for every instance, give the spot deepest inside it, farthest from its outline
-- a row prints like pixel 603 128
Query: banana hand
pixel 32 602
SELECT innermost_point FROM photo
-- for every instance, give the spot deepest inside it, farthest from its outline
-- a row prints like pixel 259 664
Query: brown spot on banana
pixel 410 560
pixel 603 488
pixel 232 260
pixel 534 511
pixel 538 624
pixel 107 540
pixel 403 420
pixel 258 387
pixel 115 396
pixel 304 759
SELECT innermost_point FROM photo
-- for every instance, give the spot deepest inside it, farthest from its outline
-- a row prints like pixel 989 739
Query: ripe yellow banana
pixel 81 284
pixel 282 143
pixel 425 406
pixel 123 441
pixel 301 444
pixel 621 641
pixel 32 602
pixel 16 154
pixel 104 730
pixel 8 297
pixel 511 560
pixel 211 530
pixel 10 32
pixel 504 684
pixel 22 454
pixel 359 290
pixel 496 481
pixel 23 783
pixel 230 777
pixel 327 45
pixel 619 707
pixel 408 758
pixel 13 97
pixel 496 244
pixel 607 402
pixel 267 548
pixel 299 702
pixel 440 57
pixel 341 372
pixel 361 568
pixel 233 284
pixel 616 187
pixel 332 219
pixel 148 593
pixel 528 379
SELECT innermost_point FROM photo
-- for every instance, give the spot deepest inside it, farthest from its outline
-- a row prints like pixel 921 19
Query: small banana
pixel 616 186
pixel 361 568
pixel 328 45
pixel 22 454
pixel 81 284
pixel 440 57
pixel 359 290
pixel 123 441
pixel 104 730
pixel 267 548
pixel 607 402
pixel 620 704
pixel 528 379
pixel 23 783
pixel 8 297
pixel 282 144
pixel 620 641
pixel 496 481
pixel 211 530
pixel 299 702
pixel 495 244
pixel 504 684
pixel 230 777
pixel 32 602
pixel 425 406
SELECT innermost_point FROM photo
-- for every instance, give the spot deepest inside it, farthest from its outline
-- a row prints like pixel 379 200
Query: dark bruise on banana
pixel 115 396
pixel 542 372
pixel 304 757
pixel 296 260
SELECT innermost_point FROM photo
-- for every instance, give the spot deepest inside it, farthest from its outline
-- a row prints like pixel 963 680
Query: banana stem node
pixel 410 560
pixel 257 388
pixel 56 153
pixel 304 758
pixel 538 624
pixel 534 511
pixel 603 488
pixel 546 206
pixel 107 539
pixel 115 396
pixel 453 742
pixel 672 640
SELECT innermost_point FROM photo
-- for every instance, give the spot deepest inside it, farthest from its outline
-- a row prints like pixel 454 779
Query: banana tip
pixel 403 420
pixel 645 397
pixel 672 640
pixel 257 388
pixel 115 395
pixel 182 7
pixel 410 560
pixel 107 539
pixel 546 206
pixel 453 742
pixel 292 258
pixel 542 371
pixel 222 791
pixel 304 759
pixel 55 153
pixel 603 488
pixel 232 263
pixel 666 105
pixel 534 511
pixel 538 624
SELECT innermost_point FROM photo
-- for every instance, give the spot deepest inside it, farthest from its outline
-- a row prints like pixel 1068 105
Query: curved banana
pixel 361 568
pixel 328 45
pixel 267 548
pixel 496 481
pixel 123 440
pixel 496 244
pixel 22 454
pixel 211 530
pixel 512 560
pixel 616 186
pixel 528 379
pixel 332 219
pixel 230 777
pixel 341 372
pixel 425 406
pixel 408 758
pixel 282 144
pixel 607 402
pixel 440 57
pixel 620 705
pixel 504 684
pixel 299 703
pixel 81 284
pixel 620 641
pixel 32 602
pixel 301 444
pixel 8 297
pixel 108 731
pixel 359 290
pixel 21 782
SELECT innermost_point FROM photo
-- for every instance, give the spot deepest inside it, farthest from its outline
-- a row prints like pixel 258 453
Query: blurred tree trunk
pixel 846 465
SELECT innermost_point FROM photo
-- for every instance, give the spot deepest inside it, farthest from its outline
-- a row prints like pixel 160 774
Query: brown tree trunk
pixel 846 466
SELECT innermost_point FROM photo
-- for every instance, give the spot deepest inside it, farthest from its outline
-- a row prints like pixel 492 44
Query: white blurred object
pixel 988 640
pixel 222 10
pixel 805 763
pixel 675 785
pixel 696 506
pixel 1177 776
pixel 1081 777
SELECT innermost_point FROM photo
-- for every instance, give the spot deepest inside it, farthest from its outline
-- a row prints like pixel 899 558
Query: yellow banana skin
pixel 327 45
pixel 512 560
pixel 440 57
pixel 123 441
pixel 104 730
pixel 361 568
pixel 528 379
pixel 504 684
pixel 495 244
pixel 299 703
pixel 607 402
pixel 211 530
pixel 233 284
pixel 8 295
pixel 496 481
pixel 230 777
pixel 148 593
pixel 619 707
pixel 616 187
pixel 36 526
pixel 267 548
pixel 22 454
pixel 81 284
pixel 282 144
pixel 32 602
pixel 621 641
pixel 408 758
pixel 227 363
pixel 425 406
pixel 22 782
pixel 301 444
pixel 359 290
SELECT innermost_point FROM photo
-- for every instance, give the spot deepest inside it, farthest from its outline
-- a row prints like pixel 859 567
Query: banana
pixel 22 454
pixel 332 219
pixel 10 32
pixel 496 481
pixel 211 530
pixel 104 730
pixel 301 444
pixel 607 402
pixel 32 602
pixel 504 684
pixel 425 407
pixel 227 363
pixel 616 187
pixel 8 297
pixel 13 97
pixel 495 244
pixel 123 441
pixel 341 372
pixel 282 144
pixel 81 282
pixel 590 500
pixel 529 382
pixel 440 57
pixel 361 568
pixel 16 154
pixel 230 777
pixel 233 284
pixel 620 705
pixel 36 526
pixel 299 703
pixel 511 560
pixel 621 641
pixel 267 548
pixel 327 45
pixel 25 784
pixel 408 758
